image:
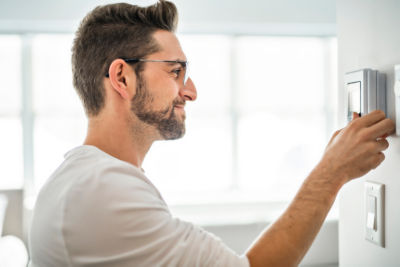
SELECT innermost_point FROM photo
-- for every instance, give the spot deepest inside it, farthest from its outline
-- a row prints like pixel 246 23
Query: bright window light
pixel 260 123
pixel 210 69
pixel 11 153
pixel 281 73
pixel 53 137
pixel 200 164
pixel 282 128
pixel 10 74
pixel 11 170
pixel 60 123
pixel 52 75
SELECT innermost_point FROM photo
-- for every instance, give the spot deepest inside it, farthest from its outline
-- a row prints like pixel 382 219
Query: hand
pixel 356 149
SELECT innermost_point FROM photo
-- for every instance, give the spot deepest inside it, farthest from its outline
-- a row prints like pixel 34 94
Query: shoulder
pixel 90 168
pixel 108 197
pixel 89 179
pixel 99 175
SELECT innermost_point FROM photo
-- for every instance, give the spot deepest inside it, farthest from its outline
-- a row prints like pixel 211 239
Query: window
pixel 263 116
pixel 10 111
pixel 282 122
pixel 202 161
pixel 60 123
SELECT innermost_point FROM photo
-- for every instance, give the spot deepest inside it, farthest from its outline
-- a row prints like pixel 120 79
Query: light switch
pixel 371 221
pixel 371 209
pixel 372 204
pixel 374 213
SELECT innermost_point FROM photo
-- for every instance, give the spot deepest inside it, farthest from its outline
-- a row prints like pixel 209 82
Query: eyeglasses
pixel 184 64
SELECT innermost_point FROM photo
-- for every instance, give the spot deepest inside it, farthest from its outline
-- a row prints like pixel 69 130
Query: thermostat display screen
pixel 354 97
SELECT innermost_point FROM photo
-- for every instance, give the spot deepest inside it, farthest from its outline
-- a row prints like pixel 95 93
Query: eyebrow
pixel 183 63
pixel 172 63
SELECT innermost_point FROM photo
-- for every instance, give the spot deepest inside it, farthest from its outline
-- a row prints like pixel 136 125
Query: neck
pixel 118 139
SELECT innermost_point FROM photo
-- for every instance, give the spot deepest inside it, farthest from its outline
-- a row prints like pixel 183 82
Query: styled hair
pixel 115 31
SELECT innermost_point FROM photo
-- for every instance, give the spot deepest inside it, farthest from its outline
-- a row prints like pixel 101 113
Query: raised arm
pixel 351 153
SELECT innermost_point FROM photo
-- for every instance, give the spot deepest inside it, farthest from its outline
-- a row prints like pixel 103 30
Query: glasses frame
pixel 184 64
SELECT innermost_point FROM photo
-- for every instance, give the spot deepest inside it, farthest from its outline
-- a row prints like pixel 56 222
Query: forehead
pixel 170 47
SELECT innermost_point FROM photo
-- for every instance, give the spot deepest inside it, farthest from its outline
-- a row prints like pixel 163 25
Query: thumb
pixel 333 136
pixel 355 115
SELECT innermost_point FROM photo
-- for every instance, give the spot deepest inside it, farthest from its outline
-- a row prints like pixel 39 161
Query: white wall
pixel 369 36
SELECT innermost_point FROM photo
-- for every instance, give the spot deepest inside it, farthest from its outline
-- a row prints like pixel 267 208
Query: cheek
pixel 162 87
pixel 165 92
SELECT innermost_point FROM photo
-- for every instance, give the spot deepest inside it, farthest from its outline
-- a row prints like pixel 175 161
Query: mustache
pixel 178 101
pixel 175 102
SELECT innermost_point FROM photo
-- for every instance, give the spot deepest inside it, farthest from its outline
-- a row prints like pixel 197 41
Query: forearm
pixel 287 240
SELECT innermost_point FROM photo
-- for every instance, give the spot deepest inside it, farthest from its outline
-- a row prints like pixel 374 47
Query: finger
pixel 333 137
pixel 372 118
pixel 382 144
pixel 355 115
pixel 335 134
pixel 377 160
pixel 382 128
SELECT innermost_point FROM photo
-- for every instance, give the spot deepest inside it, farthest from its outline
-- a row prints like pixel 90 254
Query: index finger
pixel 372 118
pixel 382 128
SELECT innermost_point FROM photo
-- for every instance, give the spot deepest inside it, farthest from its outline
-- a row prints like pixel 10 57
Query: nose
pixel 188 91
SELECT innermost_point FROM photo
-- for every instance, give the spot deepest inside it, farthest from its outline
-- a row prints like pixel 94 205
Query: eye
pixel 176 72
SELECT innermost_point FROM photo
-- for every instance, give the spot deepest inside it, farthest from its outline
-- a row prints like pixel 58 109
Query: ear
pixel 120 75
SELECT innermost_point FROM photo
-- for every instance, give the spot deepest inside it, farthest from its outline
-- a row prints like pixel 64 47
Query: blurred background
pixel 266 75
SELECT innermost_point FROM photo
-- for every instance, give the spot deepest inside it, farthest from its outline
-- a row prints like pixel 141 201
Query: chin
pixel 173 133
pixel 174 136
pixel 173 127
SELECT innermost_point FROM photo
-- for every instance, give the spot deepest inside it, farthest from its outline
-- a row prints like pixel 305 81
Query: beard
pixel 165 121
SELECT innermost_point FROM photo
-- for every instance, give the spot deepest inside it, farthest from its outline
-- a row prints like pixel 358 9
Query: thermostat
pixel 366 91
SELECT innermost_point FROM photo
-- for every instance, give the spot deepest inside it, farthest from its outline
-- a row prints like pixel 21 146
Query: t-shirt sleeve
pixel 121 221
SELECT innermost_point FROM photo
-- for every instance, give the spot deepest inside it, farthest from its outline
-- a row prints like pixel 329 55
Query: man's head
pixel 109 36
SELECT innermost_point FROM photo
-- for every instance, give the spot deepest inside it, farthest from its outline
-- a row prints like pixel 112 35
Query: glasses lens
pixel 186 75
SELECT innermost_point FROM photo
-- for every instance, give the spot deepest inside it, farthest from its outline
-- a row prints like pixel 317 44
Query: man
pixel 99 209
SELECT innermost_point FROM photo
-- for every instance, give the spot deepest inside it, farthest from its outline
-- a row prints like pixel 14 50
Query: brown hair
pixel 115 31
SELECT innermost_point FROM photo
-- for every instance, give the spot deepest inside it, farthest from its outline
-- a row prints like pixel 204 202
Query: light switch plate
pixel 374 222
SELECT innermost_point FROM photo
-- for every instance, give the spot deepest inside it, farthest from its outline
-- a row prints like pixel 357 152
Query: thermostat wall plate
pixel 366 91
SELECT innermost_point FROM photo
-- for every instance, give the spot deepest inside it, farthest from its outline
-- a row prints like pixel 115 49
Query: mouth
pixel 180 111
pixel 182 107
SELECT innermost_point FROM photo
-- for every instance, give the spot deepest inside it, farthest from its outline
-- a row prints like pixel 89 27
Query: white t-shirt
pixel 96 210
